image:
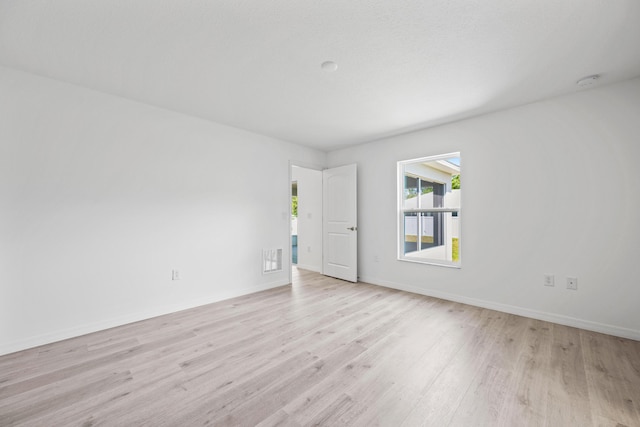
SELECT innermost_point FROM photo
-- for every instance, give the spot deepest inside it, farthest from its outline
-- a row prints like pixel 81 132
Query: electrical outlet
pixel 572 283
pixel 549 280
pixel 175 275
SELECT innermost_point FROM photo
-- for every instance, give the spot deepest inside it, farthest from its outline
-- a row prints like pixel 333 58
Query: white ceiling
pixel 255 64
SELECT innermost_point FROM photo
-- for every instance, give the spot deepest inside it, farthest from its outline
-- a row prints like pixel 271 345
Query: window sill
pixel 438 263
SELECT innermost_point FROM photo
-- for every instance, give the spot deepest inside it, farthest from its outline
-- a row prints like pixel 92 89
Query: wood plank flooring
pixel 331 353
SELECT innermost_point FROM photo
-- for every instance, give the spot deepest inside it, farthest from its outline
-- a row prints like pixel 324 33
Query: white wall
pixel 309 217
pixel 536 180
pixel 100 198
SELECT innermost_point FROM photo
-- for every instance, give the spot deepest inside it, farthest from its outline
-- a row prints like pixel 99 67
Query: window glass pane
pixel 455 237
pixel 439 236
pixel 438 195
pixel 431 230
pixel 410 199
pixel 410 233
pixel 431 194
pixel 426 187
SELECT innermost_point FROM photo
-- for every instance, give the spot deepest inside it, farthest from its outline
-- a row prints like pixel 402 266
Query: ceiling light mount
pixel 329 66
pixel 588 81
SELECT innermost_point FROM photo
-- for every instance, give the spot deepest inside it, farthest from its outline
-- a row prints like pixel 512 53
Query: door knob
pixel 352 228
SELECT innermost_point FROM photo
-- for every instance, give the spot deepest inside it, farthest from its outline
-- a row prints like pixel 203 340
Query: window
pixel 429 210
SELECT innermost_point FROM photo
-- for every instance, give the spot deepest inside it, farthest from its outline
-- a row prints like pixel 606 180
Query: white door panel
pixel 340 246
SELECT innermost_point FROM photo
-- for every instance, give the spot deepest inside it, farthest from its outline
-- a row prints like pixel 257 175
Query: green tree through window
pixel 455 182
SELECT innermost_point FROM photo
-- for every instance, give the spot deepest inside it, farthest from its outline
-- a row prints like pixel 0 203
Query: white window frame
pixel 401 170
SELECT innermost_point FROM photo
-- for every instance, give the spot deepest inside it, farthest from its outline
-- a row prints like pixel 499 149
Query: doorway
pixel 306 218
pixel 294 222
pixel 323 232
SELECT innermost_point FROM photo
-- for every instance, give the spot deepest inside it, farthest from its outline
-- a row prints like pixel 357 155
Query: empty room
pixel 331 213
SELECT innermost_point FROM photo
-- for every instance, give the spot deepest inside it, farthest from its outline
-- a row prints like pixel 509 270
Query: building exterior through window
pixel 429 213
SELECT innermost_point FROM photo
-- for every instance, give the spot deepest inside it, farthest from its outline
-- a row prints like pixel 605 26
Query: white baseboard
pixel 35 341
pixel 48 338
pixel 511 309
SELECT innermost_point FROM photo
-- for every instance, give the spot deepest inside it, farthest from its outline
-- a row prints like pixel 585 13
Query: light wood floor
pixel 327 352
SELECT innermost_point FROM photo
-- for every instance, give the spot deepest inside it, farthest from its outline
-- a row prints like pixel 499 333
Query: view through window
pixel 429 210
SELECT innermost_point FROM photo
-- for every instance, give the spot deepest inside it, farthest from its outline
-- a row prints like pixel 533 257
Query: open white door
pixel 340 231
